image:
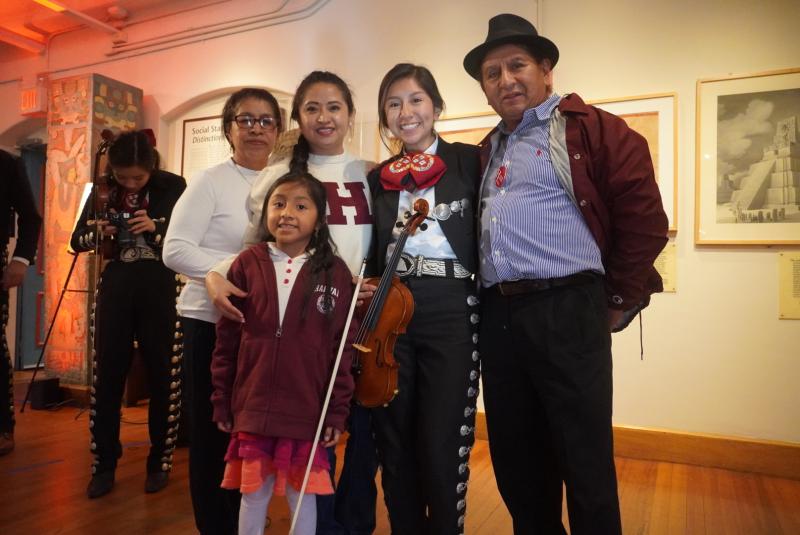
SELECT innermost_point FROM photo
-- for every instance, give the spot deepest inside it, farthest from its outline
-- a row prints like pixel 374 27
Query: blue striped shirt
pixel 530 227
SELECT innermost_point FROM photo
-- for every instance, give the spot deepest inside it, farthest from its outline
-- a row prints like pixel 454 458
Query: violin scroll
pixel 421 209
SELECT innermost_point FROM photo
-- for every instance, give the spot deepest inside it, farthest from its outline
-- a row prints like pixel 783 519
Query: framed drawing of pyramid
pixel 747 162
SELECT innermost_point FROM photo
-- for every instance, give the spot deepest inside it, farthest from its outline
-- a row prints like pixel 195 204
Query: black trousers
pixel 546 361
pixel 425 434
pixel 216 510
pixel 6 364
pixel 135 300
pixel 351 510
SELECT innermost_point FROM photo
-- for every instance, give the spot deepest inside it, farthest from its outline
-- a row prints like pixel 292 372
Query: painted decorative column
pixel 80 108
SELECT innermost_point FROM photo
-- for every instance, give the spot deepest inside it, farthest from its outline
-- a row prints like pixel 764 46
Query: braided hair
pixel 299 161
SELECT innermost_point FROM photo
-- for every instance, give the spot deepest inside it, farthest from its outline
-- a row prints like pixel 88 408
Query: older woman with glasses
pixel 208 224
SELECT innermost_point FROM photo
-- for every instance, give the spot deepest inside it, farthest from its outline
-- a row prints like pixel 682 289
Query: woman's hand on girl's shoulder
pixel 225 427
pixel 219 290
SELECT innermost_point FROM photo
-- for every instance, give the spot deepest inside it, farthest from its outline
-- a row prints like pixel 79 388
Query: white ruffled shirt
pixel 431 242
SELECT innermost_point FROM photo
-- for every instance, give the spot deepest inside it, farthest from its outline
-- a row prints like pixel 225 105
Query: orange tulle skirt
pixel 251 459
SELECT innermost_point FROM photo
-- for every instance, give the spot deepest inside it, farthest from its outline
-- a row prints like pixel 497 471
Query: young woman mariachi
pixel 207 226
pixel 135 300
pixel 323 108
pixel 425 434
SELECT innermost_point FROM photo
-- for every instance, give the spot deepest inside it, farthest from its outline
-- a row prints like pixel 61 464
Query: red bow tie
pixel 413 171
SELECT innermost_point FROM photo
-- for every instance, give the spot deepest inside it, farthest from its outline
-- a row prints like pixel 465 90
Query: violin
pixel 388 313
pixel 101 192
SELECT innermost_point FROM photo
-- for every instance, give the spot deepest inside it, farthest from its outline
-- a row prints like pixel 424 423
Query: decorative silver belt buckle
pixel 405 266
pixel 420 265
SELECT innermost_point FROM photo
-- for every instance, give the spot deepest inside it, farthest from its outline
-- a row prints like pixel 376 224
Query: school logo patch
pixel 323 307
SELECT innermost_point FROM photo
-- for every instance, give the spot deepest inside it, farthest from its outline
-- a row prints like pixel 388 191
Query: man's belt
pixel 432 267
pixel 525 286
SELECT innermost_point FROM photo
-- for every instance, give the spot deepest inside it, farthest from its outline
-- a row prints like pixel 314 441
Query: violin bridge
pixel 362 348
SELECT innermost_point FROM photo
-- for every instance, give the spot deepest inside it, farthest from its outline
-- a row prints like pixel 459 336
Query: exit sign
pixel 33 101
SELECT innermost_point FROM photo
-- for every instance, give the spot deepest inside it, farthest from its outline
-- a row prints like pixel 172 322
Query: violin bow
pixel 314 444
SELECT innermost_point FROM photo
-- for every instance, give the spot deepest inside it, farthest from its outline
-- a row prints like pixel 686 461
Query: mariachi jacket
pixel 164 189
pixel 16 196
pixel 271 378
pixel 459 181
pixel 605 167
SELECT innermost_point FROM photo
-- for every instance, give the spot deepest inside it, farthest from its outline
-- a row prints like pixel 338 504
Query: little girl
pixel 270 373
pixel 425 434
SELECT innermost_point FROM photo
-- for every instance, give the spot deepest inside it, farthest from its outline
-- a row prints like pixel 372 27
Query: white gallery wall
pixel 716 358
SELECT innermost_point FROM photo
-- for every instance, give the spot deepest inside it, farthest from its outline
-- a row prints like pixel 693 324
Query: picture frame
pixel 203 145
pixel 747 186
pixel 468 128
pixel 654 116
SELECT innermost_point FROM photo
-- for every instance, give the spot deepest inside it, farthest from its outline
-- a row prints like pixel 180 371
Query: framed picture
pixel 656 118
pixel 467 128
pixel 470 128
pixel 747 175
pixel 203 145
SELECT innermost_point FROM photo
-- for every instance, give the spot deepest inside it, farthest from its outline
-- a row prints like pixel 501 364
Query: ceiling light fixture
pixel 116 35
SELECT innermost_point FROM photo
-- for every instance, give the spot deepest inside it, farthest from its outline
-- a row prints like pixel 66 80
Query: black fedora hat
pixel 506 29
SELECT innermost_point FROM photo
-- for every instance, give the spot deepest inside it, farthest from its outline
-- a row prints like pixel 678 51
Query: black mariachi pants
pixel 6 364
pixel 351 510
pixel 135 300
pixel 425 434
pixel 216 510
pixel 546 362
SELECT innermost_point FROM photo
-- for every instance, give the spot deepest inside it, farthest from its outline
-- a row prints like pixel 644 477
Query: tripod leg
pixel 49 331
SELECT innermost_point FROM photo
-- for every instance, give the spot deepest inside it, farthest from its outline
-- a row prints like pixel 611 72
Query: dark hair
pixel 229 109
pixel 537 54
pixel 323 247
pixel 299 161
pixel 401 71
pixel 133 149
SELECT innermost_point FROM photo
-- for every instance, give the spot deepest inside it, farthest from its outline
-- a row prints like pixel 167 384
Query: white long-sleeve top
pixel 207 226
pixel 349 205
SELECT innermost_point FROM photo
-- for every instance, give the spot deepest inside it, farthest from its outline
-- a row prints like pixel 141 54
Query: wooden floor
pixel 43 482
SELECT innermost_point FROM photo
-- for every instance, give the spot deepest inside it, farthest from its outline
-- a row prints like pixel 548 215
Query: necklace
pixel 236 166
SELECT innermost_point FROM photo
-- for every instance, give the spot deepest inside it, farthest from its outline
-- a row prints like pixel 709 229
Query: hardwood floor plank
pixel 43 484
pixel 695 506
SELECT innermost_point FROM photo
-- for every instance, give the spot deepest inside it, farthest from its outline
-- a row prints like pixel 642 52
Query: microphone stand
pixel 50 329
pixel 102 149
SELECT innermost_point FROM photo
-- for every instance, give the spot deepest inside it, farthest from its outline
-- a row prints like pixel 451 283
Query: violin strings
pixel 376 306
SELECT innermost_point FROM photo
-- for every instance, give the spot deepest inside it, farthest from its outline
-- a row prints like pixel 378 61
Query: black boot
pixel 156 481
pixel 100 485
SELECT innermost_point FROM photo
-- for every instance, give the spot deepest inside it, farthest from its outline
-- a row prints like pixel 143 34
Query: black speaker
pixel 45 393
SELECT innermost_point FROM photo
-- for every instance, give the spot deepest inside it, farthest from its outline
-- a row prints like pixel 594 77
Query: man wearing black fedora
pixel 571 221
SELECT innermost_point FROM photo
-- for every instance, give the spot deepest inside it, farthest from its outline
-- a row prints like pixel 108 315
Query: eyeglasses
pixel 248 121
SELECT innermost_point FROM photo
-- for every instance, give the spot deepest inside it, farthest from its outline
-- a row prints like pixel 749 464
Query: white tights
pixel 253 511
